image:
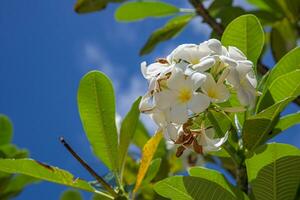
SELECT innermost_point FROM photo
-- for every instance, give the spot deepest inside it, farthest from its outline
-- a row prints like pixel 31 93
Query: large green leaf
pixel 141 135
pixel 245 33
pixel 45 172
pixel 6 130
pixel 257 127
pixel 128 128
pixel 96 103
pixel 152 171
pixel 274 172
pixel 86 6
pixel 203 184
pixel 171 29
pixel 71 195
pixel 283 38
pixel 284 123
pixel 138 10
pixel 287 85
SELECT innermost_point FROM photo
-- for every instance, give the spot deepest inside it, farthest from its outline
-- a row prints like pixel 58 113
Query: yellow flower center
pixel 212 94
pixel 185 95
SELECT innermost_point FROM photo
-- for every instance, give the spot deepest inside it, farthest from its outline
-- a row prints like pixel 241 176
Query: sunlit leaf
pixel 128 128
pixel 257 128
pixel 45 172
pixel 86 6
pixel 245 33
pixel 274 172
pixel 71 195
pixel 284 123
pixel 152 171
pixel 138 10
pixel 147 155
pixel 6 130
pixel 171 29
pixel 96 103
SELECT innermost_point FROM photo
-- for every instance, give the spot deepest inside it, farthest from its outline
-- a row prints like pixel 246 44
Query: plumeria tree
pixel 212 102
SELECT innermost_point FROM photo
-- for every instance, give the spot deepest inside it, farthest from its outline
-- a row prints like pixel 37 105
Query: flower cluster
pixel 189 81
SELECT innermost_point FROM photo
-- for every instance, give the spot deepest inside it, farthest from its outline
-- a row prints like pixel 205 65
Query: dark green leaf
pixel 96 102
pixel 284 123
pixel 171 29
pixel 128 128
pixel 257 127
pixel 6 130
pixel 274 172
pixel 86 6
pixel 283 38
pixel 71 195
pixel 245 33
pixel 138 10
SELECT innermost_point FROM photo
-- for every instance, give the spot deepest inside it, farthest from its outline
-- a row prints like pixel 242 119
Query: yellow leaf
pixel 147 155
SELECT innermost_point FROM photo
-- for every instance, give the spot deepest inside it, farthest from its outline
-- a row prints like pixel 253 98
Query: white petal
pixel 144 69
pixel 199 103
pixel 145 104
pixel 204 64
pixel 179 80
pixel 215 45
pixel 210 144
pixel 233 77
pixel 228 61
pixel 252 79
pixel 198 79
pixel 172 131
pixel 236 54
pixel 222 93
pixel 209 84
pixel 244 97
pixel 244 67
pixel 159 118
pixel 164 99
pixel 178 113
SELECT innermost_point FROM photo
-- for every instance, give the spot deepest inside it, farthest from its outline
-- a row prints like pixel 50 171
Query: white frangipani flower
pixel 217 92
pixel 242 78
pixel 190 80
pixel 181 96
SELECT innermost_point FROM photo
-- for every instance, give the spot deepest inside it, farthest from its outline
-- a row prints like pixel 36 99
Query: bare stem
pixel 89 169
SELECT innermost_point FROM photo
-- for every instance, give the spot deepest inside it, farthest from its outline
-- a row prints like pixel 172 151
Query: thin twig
pixel 89 169
pixel 219 29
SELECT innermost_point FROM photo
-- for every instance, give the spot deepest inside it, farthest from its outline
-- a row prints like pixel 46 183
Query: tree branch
pixel 219 29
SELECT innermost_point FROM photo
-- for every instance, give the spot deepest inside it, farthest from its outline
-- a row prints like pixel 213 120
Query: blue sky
pixel 45 49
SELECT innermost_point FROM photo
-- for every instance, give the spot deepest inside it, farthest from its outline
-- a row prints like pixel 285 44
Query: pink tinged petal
pixel 204 64
pixel 215 45
pixel 197 80
pixel 165 99
pixel 178 113
pixel 199 103
pixel 236 54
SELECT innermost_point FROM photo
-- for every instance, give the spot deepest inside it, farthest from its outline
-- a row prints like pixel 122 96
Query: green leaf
pixel 71 195
pixel 96 102
pixel 45 172
pixel 220 121
pixel 284 123
pixel 12 151
pixel 245 33
pixel 86 6
pixel 141 135
pixel 6 130
pixel 217 178
pixel 284 86
pixel 171 29
pixel 192 187
pixel 152 171
pixel 283 38
pixel 257 127
pixel 128 128
pixel 133 11
pixel 274 172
